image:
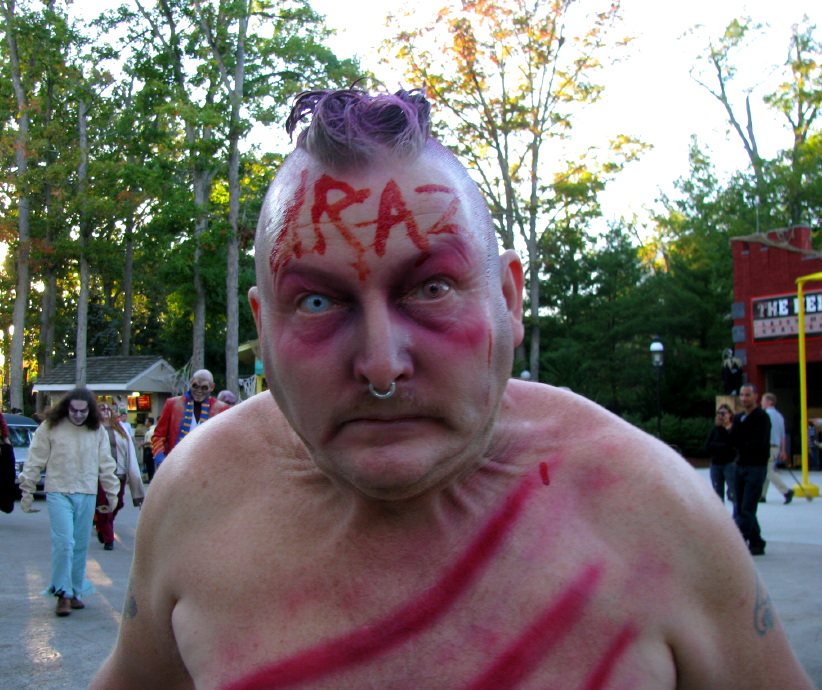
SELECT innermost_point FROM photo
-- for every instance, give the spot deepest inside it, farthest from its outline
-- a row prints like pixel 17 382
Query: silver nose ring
pixel 382 396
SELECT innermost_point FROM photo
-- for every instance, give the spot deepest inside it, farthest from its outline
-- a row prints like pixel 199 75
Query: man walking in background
pixel 778 450
pixel 751 435
pixel 184 413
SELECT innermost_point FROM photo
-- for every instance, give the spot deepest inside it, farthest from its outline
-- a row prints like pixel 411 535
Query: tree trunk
pixel 82 300
pixel 128 289
pixel 21 295
pixel 232 251
pixel 201 189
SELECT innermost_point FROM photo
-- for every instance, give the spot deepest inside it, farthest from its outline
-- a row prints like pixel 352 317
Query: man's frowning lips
pixel 385 414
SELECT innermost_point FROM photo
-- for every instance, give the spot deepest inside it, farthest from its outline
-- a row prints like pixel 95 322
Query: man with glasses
pixel 184 413
pixel 74 451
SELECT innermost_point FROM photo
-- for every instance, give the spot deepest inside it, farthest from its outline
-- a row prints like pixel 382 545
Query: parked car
pixel 21 429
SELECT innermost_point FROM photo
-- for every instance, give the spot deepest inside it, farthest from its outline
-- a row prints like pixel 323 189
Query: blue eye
pixel 315 304
pixel 434 289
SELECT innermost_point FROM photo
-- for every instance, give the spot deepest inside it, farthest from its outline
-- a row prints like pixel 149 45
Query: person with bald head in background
pixel 397 511
pixel 184 413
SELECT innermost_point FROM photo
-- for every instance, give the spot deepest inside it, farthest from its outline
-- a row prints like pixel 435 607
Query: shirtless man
pixel 397 512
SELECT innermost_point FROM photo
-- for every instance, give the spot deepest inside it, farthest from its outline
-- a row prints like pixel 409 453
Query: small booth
pixel 138 385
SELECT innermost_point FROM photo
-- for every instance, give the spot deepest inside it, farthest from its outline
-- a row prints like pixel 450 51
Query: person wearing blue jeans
pixel 722 454
pixel 751 436
pixel 73 449
pixel 70 516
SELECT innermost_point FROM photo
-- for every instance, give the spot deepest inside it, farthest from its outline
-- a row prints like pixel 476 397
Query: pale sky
pixel 650 94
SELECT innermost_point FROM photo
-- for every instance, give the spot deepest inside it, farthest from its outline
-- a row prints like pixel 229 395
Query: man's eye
pixel 434 289
pixel 315 304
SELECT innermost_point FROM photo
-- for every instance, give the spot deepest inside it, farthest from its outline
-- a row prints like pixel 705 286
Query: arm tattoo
pixel 763 611
pixel 130 605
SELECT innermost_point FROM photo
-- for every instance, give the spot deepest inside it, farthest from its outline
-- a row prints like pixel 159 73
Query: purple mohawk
pixel 350 127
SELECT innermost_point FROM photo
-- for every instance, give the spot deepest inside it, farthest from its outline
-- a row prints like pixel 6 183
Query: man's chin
pixel 394 472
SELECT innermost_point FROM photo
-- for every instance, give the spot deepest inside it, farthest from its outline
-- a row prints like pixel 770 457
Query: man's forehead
pixel 366 213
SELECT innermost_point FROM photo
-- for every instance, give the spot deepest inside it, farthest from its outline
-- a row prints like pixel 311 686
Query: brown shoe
pixel 63 606
pixel 77 603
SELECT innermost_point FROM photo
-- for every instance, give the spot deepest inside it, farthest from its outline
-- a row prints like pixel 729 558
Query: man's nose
pixel 382 347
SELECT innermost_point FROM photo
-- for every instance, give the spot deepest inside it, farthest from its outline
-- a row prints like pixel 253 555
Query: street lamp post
pixel 657 358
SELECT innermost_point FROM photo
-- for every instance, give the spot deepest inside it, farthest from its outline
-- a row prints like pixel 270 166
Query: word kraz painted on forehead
pixel 391 212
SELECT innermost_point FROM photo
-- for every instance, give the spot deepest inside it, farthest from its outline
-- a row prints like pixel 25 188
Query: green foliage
pixel 687 435
pixel 157 120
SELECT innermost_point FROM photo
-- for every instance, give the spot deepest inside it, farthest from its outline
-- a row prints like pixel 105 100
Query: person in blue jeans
pixel 722 453
pixel 751 435
pixel 73 449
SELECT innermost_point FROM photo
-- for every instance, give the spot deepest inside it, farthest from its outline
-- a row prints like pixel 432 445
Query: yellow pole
pixel 806 488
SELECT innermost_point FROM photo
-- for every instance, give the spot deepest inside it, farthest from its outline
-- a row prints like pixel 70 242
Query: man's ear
pixel 513 282
pixel 254 301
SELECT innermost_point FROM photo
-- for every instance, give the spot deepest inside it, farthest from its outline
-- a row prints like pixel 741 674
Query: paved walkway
pixel 39 651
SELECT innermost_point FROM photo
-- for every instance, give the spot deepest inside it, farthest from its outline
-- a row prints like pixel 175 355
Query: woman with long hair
pixel 73 450
pixel 128 471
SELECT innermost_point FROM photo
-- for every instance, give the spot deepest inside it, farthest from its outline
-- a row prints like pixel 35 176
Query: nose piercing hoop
pixel 382 396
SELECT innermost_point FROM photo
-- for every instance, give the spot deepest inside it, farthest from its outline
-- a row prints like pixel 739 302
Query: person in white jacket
pixel 73 449
pixel 127 472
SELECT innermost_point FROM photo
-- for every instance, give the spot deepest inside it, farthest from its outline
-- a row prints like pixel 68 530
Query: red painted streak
pixel 394 211
pixel 322 187
pixel 443 225
pixel 420 613
pixel 618 647
pixel 543 472
pixel 532 647
pixel 281 253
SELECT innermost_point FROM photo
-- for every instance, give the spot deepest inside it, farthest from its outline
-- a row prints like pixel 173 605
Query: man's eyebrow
pixel 336 275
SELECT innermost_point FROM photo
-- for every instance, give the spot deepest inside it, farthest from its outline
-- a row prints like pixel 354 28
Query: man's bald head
pixel 201 385
pixel 353 144
pixel 378 268
pixel 202 375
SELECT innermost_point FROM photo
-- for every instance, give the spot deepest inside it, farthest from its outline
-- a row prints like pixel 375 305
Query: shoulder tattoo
pixel 130 605
pixel 763 610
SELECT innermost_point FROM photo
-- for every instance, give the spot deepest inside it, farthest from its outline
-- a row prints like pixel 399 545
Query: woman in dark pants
pixel 722 453
pixel 127 472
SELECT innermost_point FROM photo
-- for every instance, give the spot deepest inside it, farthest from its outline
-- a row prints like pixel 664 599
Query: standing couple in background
pixel 744 449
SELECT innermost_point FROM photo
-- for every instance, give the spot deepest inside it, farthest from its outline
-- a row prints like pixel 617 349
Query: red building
pixel 765 316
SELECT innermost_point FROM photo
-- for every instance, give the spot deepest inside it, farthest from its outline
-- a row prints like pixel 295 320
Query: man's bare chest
pixel 515 605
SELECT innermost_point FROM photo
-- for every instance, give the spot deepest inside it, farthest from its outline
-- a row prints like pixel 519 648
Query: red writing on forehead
pixel 288 242
pixel 392 211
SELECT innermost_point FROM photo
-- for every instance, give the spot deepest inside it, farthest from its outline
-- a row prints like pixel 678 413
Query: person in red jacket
pixel 182 414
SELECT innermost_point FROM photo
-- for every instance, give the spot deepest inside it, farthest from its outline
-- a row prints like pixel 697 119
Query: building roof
pixel 148 373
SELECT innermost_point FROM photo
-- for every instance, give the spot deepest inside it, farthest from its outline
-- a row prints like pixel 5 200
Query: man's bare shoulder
pixel 577 430
pixel 608 467
pixel 234 454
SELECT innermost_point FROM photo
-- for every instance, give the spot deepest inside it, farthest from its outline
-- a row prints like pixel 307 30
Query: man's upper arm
pixel 146 654
pixel 732 636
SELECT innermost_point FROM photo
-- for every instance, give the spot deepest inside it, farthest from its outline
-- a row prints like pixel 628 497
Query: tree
pixel 799 99
pixel 280 64
pixel 508 78
pixel 21 151
pixel 720 60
